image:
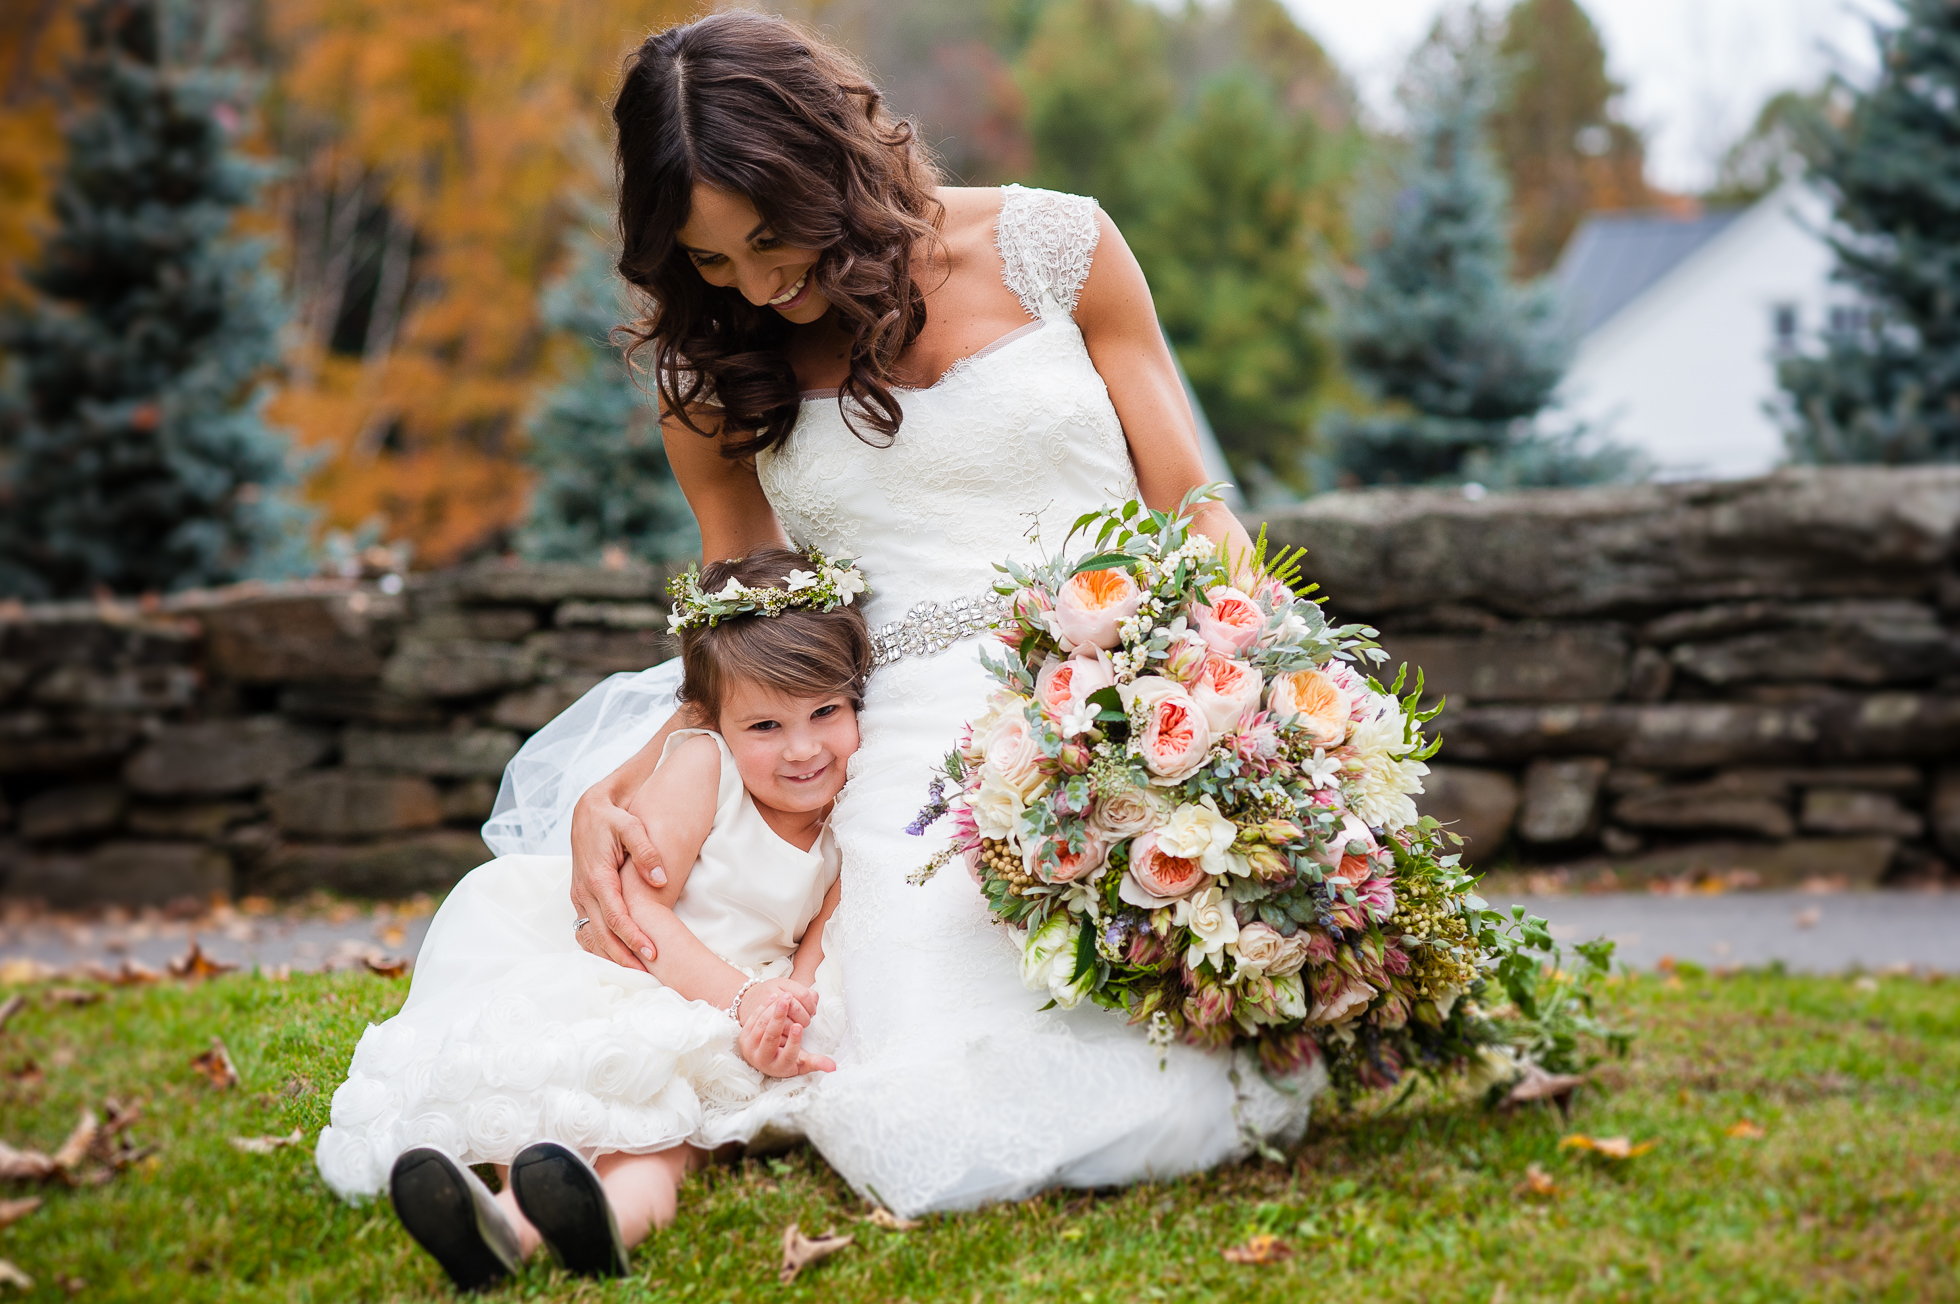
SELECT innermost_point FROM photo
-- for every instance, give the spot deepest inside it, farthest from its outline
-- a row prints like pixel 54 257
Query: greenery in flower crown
pixel 832 584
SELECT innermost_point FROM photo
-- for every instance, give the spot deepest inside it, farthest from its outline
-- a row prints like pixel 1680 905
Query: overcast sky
pixel 1695 70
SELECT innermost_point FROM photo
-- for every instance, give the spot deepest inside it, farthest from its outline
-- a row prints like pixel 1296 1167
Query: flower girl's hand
pixel 803 1000
pixel 772 1042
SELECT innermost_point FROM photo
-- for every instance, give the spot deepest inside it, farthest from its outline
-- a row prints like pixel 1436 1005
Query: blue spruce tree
pixel 1888 389
pixel 135 456
pixel 1461 359
pixel 603 478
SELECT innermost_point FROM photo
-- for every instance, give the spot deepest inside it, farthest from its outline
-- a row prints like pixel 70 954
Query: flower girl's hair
pixel 803 652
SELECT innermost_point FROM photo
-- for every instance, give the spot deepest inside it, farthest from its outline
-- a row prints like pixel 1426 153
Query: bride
pixel 928 378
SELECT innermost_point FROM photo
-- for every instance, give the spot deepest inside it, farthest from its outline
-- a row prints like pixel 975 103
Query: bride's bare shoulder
pixel 970 211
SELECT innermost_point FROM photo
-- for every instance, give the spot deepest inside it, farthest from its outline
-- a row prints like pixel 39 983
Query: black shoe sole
pixel 432 1198
pixel 565 1201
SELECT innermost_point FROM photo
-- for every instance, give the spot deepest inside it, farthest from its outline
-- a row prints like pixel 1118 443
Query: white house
pixel 1681 321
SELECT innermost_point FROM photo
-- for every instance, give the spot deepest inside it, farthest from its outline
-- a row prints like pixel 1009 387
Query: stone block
pixel 487 624
pixel 457 667
pixel 1840 810
pixel 334 804
pixel 13 678
pixel 531 709
pixel 80 811
pixel 1945 811
pixel 1561 798
pixel 1650 675
pixel 1862 643
pixel 104 636
pixel 469 802
pixel 457 754
pixel 221 757
pixel 611 615
pixel 603 651
pixel 1707 807
pixel 1803 532
pixel 349 700
pixel 545 583
pixel 1476 805
pixel 1856 862
pixel 124 688
pixel 395 867
pixel 122 873
pixel 339 633
pixel 32 742
pixel 1527 663
pixel 197 821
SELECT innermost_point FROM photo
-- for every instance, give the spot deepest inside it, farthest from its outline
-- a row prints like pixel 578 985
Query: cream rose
pixel 1225 690
pixel 1196 831
pixel 1315 702
pixel 996 807
pixel 1209 917
pixel 1231 623
pixel 1125 814
pixel 1091 605
pixel 1257 947
pixel 1013 756
pixel 1157 878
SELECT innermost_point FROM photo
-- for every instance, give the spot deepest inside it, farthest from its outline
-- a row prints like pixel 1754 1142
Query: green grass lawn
pixel 1852 1192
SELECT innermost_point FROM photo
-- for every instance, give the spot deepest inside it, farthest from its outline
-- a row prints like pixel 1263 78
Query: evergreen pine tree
pixel 603 479
pixel 135 455
pixel 1889 390
pixel 1462 358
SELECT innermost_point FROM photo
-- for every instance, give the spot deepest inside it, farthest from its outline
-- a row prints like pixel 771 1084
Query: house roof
pixel 1614 257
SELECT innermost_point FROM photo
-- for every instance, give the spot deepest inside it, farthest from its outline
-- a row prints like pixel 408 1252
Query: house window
pixel 1848 320
pixel 1783 323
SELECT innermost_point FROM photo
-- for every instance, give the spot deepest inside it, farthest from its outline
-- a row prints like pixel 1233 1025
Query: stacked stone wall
pixel 1758 678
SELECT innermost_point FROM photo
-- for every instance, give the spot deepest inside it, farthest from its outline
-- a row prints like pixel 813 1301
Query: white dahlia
pixel 1381 794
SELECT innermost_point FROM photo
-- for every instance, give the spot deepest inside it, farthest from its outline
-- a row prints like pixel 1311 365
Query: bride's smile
pixel 731 245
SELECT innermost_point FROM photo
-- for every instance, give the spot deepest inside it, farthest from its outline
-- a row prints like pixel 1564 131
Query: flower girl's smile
pixel 790 750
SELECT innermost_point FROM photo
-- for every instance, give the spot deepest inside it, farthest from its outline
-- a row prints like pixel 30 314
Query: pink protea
pixel 1320 947
pixel 1025 616
pixel 1377 896
pixel 1383 1070
pixel 1395 960
pixel 1256 743
pixel 1146 950
pixel 1393 1012
pixel 1287 1053
pixel 1209 1005
pixel 1337 996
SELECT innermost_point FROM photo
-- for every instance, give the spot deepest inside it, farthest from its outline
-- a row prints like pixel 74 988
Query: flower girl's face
pixel 790 751
pixel 732 246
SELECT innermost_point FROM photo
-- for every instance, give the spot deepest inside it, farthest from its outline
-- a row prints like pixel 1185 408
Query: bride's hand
pixel 604 838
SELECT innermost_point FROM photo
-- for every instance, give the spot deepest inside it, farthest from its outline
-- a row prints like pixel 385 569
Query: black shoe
pixel 562 1196
pixel 452 1215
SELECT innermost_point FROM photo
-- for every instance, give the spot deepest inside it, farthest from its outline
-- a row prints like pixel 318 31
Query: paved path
pixel 1807 932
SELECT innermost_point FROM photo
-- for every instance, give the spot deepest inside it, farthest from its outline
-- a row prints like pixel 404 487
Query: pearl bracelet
pixel 734 1010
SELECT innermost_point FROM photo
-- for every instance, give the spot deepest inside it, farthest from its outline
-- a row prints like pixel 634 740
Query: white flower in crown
pixel 799 580
pixel 848 582
pixel 827 587
pixel 731 592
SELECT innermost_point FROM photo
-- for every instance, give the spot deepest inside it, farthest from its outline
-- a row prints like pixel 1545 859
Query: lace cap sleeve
pixel 1046 241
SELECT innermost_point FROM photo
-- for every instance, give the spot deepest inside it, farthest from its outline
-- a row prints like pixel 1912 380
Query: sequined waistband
pixel 935 626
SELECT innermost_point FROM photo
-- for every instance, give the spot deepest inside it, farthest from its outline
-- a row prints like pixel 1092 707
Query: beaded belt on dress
pixel 935 626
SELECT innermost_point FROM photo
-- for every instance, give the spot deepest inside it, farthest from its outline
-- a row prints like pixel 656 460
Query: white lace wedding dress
pixel 953 1087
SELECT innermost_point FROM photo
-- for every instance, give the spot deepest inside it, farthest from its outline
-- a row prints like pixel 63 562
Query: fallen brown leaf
pixel 265 1145
pixel 73 995
pixel 1606 1147
pixel 215 1064
pixel 386 966
pixel 890 1221
pixel 1537 1084
pixel 20 971
pixel 1261 1249
pixel 28 1074
pixel 12 1211
pixel 196 964
pixel 12 1276
pixel 79 1143
pixel 25 1165
pixel 14 1005
pixel 1538 1183
pixel 800 1251
pixel 1745 1131
pixel 130 973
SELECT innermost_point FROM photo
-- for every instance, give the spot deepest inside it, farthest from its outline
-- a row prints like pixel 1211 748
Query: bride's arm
pixel 735 519
pixel 1119 324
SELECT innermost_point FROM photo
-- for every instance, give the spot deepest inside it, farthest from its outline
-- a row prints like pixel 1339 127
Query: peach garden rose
pixel 1091 605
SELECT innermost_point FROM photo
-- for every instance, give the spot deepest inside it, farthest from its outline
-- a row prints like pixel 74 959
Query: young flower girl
pixel 601 1086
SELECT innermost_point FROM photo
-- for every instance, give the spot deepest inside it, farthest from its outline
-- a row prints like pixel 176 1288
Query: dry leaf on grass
pixel 215 1064
pixel 73 996
pixel 79 1143
pixel 196 964
pixel 14 1005
pixel 1261 1249
pixel 12 1276
pixel 25 1165
pixel 1537 1183
pixel 1745 1130
pixel 800 1251
pixel 129 974
pixel 265 1145
pixel 1537 1084
pixel 890 1221
pixel 12 1211
pixel 1606 1147
pixel 386 966
pixel 20 971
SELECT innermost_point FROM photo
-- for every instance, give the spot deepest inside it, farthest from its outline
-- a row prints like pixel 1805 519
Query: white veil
pixel 588 741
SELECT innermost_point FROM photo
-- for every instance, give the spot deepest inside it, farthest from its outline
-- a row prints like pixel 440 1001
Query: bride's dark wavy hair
pixel 758 107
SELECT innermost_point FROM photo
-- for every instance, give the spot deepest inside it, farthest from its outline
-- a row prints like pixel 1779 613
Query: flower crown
pixel 831 585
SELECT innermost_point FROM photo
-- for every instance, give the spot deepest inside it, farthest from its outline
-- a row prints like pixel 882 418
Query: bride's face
pixel 790 751
pixel 732 246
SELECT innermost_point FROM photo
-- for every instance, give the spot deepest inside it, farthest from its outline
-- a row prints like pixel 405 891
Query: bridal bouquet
pixel 1194 805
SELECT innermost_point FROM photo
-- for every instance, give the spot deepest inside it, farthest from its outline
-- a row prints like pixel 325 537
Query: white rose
pixel 455 1072
pixel 720 1076
pixel 1198 832
pixel 1048 961
pixel 996 807
pixel 385 1049
pixel 1130 812
pixel 496 1126
pixel 524 1065
pixel 575 1118
pixel 443 1131
pixel 510 1017
pixel 1211 921
pixel 360 1100
pixel 348 1162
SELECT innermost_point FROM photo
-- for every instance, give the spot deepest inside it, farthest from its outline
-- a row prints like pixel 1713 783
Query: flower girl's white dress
pixel 954 1087
pixel 512 1034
